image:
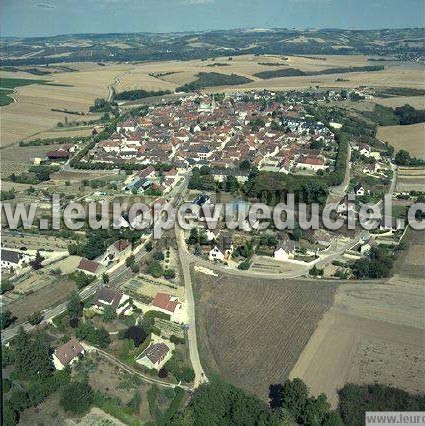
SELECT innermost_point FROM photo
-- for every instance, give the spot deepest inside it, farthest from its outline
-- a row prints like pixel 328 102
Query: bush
pixel 6 285
pixel 177 340
pixel 244 266
pixel 76 397
pixel 156 314
pixel 155 269
pixel 169 274
pixel 35 318
pixel 355 400
pixel 163 373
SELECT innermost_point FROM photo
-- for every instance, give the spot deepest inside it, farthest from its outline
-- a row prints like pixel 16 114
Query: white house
pixel 284 250
pixel 105 296
pixel 155 356
pixel 359 189
pixel 67 354
pixel 168 304
pixel 223 250
pixel 14 259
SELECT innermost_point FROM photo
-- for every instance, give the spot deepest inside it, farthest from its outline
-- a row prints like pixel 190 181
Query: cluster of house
pixel 272 135
pixel 148 178
pixel 115 252
pixel 154 356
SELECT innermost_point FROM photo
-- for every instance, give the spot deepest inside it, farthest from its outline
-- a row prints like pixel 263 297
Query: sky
pixel 28 18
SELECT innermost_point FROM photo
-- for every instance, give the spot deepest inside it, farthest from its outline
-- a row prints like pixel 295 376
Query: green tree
pixel 130 260
pixel 74 306
pixel 155 269
pixel 193 236
pixel 294 395
pixel 87 331
pixel 10 416
pixel 36 263
pixel 105 278
pixel 169 274
pixel 76 397
pixel 32 355
pixel 6 319
pixel 109 313
pixel 82 280
pixel 231 184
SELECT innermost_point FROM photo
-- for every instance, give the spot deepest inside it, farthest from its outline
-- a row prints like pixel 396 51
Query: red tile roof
pixel 88 265
pixel 67 352
pixel 163 301
pixel 121 245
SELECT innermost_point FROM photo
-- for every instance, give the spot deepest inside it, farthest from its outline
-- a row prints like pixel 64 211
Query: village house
pixel 105 296
pixel 168 304
pixel 59 154
pixel 223 250
pixel 90 267
pixel 67 354
pixel 109 146
pixel 309 162
pixel 155 356
pixel 359 189
pixel 128 126
pixel 138 185
pixel 14 259
pixel 284 250
pixel 118 250
pixel 365 247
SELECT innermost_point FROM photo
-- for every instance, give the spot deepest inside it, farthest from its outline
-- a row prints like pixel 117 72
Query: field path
pixel 131 370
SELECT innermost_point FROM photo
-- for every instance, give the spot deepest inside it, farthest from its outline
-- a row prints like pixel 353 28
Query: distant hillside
pixel 400 43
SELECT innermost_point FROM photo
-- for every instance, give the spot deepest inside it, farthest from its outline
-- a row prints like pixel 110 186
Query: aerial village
pixel 197 135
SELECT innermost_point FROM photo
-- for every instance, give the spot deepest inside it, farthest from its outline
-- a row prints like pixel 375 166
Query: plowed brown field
pixel 251 331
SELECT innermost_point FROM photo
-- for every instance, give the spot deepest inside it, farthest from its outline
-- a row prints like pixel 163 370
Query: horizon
pixel 259 29
pixel 36 18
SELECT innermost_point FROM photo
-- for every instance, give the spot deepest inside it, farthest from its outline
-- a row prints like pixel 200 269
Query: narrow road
pixel 336 193
pixel 200 376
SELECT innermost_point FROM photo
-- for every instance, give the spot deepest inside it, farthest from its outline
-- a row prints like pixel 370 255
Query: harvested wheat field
pixel 252 331
pixel 417 102
pixel 410 138
pixel 76 91
pixel 16 159
pixel 373 333
pixel 410 179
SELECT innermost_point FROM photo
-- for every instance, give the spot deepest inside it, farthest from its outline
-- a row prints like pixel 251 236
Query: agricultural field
pixel 42 292
pixel 410 138
pixel 417 102
pixel 31 113
pixel 16 159
pixel 410 263
pixel 34 242
pixel 252 331
pixel 410 179
pixel 374 332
